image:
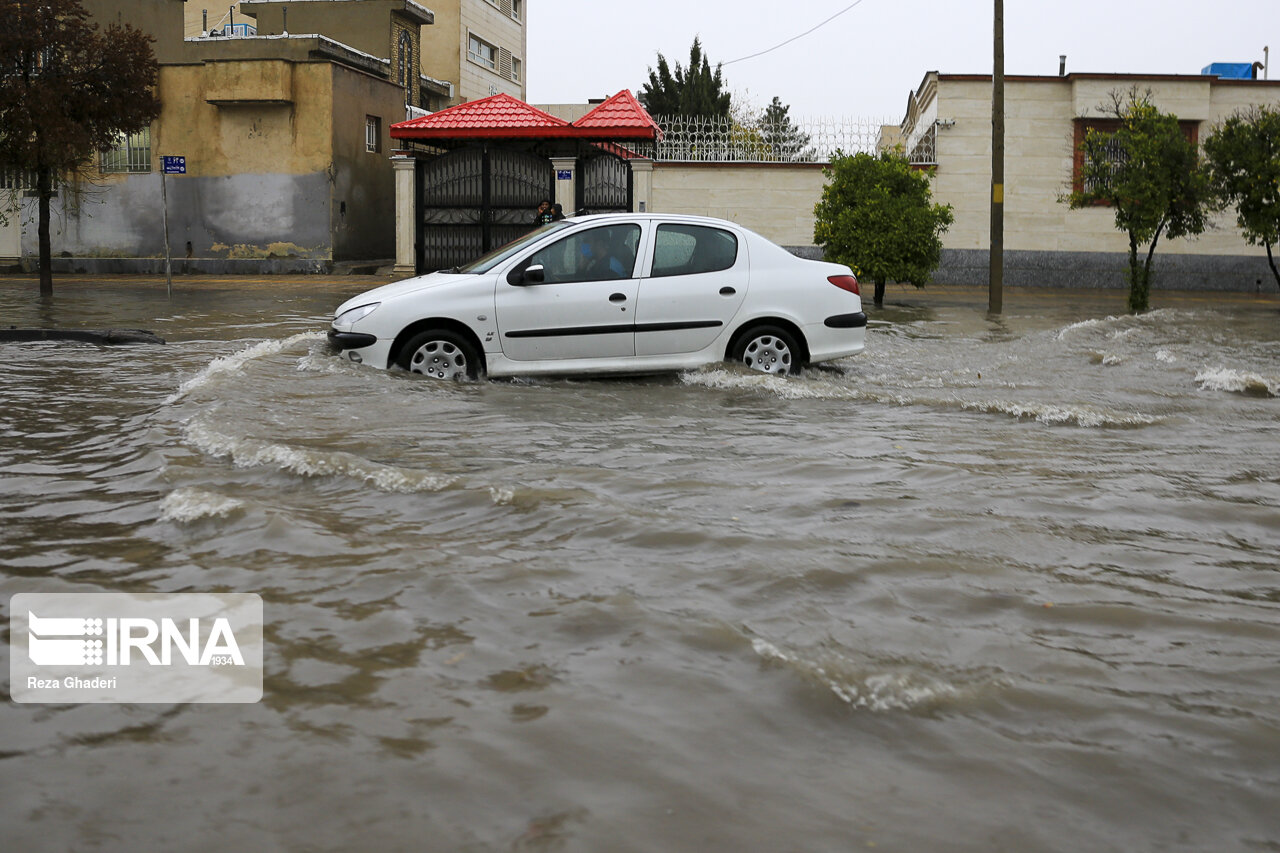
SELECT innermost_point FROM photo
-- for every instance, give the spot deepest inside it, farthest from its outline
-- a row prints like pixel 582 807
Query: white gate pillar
pixel 406 214
pixel 566 188
pixel 641 184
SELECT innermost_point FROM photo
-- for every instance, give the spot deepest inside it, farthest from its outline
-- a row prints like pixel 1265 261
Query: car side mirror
pixel 535 274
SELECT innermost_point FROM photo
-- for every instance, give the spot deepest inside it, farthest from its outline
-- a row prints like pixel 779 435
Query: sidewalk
pixel 353 282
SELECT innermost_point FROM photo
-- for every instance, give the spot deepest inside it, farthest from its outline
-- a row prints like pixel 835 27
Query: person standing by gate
pixel 544 214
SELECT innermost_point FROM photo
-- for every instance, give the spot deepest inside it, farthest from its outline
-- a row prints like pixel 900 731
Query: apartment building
pixel 480 45
pixel 475 48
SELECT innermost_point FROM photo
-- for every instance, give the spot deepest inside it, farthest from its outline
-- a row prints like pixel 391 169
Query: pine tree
pixel 782 139
pixel 692 91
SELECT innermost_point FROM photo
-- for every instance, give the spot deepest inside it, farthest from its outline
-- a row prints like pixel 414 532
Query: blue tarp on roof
pixel 1230 70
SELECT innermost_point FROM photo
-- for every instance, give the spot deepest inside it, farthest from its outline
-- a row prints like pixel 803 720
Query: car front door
pixel 696 284
pixel 584 304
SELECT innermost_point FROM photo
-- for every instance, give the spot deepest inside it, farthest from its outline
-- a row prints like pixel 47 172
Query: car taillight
pixel 845 282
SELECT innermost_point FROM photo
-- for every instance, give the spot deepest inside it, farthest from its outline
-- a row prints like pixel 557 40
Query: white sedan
pixel 614 293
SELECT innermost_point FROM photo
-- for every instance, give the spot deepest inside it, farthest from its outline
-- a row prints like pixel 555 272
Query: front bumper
pixel 350 340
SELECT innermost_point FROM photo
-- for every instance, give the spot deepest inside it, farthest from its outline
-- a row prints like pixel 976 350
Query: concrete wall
pixel 1039 139
pixel 363 182
pixel 287 180
pixel 775 200
pixel 162 19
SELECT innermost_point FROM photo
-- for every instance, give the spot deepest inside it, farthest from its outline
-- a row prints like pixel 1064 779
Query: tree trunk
pixel 879 297
pixel 1146 273
pixel 1271 262
pixel 1137 287
pixel 44 189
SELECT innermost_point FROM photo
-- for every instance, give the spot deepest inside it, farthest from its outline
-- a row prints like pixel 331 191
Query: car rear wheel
pixel 440 354
pixel 768 349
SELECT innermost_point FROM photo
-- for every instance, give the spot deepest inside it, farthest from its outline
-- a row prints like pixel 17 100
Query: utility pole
pixel 995 296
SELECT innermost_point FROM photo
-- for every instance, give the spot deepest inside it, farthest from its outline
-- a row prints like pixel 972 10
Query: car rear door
pixel 585 305
pixel 696 281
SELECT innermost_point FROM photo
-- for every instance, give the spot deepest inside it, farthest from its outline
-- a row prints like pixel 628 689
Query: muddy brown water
pixel 996 584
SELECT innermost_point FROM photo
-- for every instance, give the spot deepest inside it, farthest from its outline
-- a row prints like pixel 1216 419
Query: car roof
pixel 651 215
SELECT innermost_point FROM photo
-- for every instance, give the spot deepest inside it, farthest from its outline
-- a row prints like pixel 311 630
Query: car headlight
pixel 354 315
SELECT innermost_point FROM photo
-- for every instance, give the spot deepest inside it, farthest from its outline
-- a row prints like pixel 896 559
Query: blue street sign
pixel 564 174
pixel 175 165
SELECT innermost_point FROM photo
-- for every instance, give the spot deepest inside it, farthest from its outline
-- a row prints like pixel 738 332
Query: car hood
pixel 409 285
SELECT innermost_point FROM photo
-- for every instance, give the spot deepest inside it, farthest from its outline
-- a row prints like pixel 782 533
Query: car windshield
pixel 487 262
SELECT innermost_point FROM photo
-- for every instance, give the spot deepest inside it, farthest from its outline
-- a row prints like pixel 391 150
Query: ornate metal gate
pixel 604 184
pixel 475 199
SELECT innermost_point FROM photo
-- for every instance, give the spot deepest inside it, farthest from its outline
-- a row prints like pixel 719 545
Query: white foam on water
pixel 233 364
pixel 1120 326
pixel 793 388
pixel 1238 382
pixel 190 504
pixel 1051 413
pixel 877 691
pixel 252 453
pixel 502 495
pixel 1165 357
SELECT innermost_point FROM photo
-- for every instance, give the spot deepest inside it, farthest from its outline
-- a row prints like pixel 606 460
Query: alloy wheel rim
pixel 439 360
pixel 768 354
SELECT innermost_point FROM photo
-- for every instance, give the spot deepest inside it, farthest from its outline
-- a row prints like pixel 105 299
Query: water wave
pixel 874 691
pixel 191 504
pixel 247 452
pixel 234 363
pixel 1238 382
pixel 1119 326
pixel 1073 414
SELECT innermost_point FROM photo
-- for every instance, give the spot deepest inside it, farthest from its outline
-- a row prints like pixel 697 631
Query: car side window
pixel 691 249
pixel 600 254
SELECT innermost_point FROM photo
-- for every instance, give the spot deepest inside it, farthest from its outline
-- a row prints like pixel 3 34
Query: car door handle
pixel 618 297
pixel 727 291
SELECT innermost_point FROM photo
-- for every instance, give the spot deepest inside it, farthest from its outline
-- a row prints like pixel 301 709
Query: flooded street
pixel 996 584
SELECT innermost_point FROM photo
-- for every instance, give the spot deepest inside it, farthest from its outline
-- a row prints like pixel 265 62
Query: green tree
pixel 1150 173
pixel 67 90
pixel 782 140
pixel 692 91
pixel 1244 165
pixel 876 215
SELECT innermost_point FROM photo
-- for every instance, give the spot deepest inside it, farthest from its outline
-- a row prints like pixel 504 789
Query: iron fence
pixel 704 139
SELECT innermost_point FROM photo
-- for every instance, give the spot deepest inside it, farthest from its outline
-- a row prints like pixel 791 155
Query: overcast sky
pixel 865 62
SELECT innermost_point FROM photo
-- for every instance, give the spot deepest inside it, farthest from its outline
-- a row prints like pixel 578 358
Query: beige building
pixel 948 124
pixel 479 45
pixel 474 49
pixel 284 139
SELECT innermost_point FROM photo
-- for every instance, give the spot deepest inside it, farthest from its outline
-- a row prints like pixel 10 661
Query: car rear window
pixel 691 249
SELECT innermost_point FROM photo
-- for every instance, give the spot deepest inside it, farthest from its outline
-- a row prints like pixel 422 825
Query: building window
pixel 515 68
pixel 1112 152
pixel 405 48
pixel 517 9
pixel 482 53
pixel 372 134
pixel 131 153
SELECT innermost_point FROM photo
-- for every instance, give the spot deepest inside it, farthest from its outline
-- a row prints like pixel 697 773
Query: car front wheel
pixel 768 349
pixel 440 354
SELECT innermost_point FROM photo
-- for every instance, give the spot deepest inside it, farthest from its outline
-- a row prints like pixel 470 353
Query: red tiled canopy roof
pixel 504 117
pixel 621 112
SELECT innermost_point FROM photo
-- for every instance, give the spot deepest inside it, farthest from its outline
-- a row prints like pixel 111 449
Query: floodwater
pixel 996 584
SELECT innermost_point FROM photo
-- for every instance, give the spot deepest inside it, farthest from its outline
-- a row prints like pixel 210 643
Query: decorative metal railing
pixel 704 139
